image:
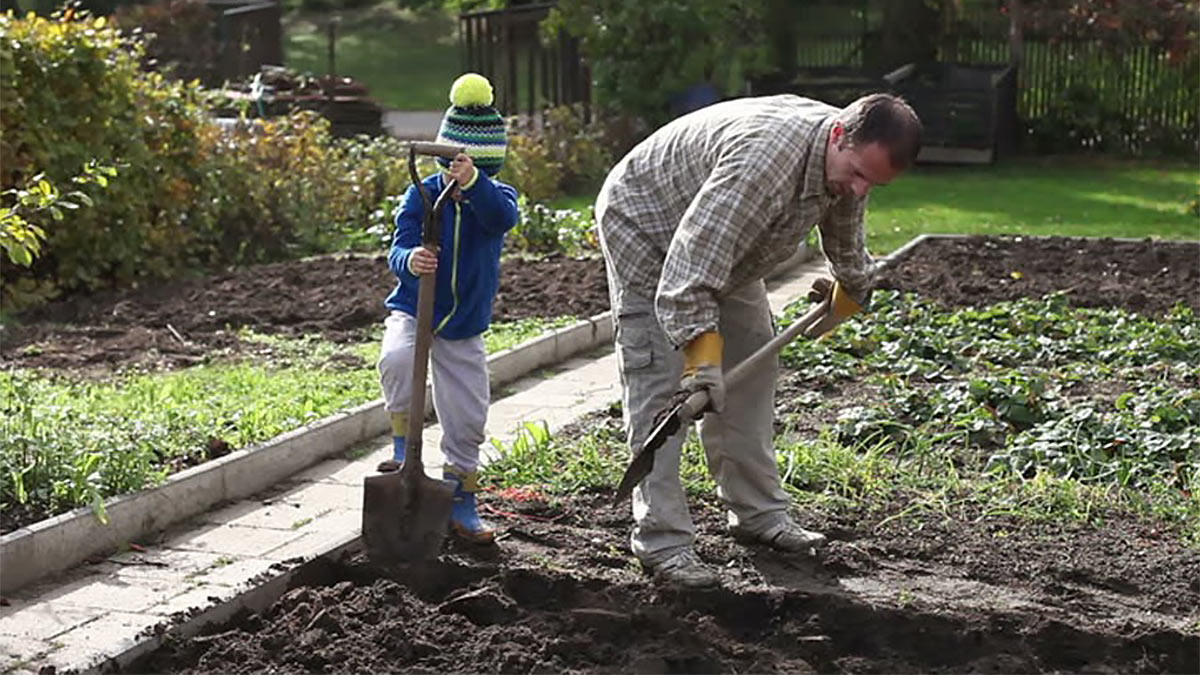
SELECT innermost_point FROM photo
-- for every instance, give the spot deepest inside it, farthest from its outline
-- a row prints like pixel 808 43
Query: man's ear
pixel 837 135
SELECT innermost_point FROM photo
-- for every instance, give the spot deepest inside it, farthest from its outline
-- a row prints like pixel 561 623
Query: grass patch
pixel 1060 196
pixel 1093 197
pixel 407 59
pixel 71 442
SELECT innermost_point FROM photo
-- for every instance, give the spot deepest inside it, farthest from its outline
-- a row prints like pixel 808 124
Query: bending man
pixel 690 221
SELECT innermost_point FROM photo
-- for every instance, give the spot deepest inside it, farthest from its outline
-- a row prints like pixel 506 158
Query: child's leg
pixel 461 397
pixel 395 377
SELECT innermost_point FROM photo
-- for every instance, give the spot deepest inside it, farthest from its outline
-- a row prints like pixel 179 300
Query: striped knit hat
pixel 471 121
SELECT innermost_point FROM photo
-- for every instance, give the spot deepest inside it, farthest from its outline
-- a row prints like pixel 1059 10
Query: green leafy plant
pixel 20 235
pixel 189 194
pixel 1006 379
pixel 562 154
pixel 542 229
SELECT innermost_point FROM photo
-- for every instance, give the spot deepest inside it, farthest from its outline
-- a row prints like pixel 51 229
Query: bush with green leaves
pixel 187 193
pixel 542 229
pixel 564 153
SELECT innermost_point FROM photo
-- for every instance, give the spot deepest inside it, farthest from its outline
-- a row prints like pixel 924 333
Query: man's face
pixel 853 170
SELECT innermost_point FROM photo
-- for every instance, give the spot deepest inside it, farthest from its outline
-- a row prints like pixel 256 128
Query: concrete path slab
pixel 95 612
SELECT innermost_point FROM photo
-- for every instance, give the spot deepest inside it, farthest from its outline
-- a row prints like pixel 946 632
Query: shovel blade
pixel 405 518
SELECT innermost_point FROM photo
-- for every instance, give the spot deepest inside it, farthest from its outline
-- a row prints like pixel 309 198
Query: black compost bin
pixel 968 110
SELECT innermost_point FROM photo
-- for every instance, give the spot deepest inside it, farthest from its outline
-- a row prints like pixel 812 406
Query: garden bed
pixel 911 581
pixel 338 297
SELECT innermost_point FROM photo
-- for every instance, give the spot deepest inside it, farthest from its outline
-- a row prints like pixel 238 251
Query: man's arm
pixel 743 194
pixel 843 239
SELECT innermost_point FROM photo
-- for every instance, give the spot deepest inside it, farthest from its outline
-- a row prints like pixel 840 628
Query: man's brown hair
pixel 887 120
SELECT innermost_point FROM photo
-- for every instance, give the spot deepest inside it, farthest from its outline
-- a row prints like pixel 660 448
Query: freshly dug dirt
pixel 560 594
pixel 949 593
pixel 1146 276
pixel 338 297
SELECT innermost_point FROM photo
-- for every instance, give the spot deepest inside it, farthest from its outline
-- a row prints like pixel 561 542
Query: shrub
pixel 562 155
pixel 641 54
pixel 72 92
pixel 187 194
pixel 546 230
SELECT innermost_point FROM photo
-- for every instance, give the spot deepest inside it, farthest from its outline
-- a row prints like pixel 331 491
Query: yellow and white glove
pixel 702 368
pixel 841 307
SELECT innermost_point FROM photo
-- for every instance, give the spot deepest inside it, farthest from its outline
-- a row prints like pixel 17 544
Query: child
pixel 467 269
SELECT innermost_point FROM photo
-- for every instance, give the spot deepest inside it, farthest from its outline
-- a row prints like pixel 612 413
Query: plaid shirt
pixel 717 198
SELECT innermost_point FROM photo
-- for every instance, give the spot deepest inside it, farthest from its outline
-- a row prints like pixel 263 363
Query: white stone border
pixel 62 542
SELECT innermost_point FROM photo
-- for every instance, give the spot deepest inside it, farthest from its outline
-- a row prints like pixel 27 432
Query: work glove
pixel 702 369
pixel 841 307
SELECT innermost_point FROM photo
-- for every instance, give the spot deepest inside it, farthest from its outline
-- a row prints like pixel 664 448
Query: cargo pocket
pixel 634 342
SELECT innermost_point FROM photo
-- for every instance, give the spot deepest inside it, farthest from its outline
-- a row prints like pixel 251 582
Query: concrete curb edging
pixel 50 546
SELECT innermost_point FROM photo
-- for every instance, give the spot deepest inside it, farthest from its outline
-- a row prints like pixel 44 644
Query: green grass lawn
pixel 407 59
pixel 1094 197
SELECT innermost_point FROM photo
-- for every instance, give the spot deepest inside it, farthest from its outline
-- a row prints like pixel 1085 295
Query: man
pixel 690 222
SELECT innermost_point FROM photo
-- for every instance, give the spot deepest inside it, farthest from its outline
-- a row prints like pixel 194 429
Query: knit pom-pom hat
pixel 472 122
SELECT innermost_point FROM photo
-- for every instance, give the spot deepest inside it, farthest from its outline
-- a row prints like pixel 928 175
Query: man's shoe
pixel 685 570
pixel 787 537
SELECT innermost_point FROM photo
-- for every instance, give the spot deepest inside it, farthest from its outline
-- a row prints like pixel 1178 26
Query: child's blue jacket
pixel 468 272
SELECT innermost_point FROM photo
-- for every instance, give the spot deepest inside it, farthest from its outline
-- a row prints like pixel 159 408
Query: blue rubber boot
pixel 399 429
pixel 464 518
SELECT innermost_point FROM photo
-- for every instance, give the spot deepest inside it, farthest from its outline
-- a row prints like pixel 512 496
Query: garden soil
pixel 338 297
pixel 958 593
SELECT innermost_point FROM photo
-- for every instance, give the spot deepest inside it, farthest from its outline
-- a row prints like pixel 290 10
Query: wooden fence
pixel 528 72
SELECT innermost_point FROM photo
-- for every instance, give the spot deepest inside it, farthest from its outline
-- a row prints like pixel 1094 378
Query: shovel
pixel 674 418
pixel 406 513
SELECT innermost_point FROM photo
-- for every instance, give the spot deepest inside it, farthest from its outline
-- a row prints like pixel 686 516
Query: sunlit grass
pixel 407 59
pixel 1049 197
pixel 70 441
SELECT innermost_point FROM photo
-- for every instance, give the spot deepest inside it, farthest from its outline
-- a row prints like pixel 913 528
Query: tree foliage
pixel 643 53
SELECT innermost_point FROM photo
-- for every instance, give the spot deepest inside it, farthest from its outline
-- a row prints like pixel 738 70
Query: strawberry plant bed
pixel 925 440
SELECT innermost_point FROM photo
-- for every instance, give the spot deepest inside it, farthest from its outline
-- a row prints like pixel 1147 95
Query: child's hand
pixel 462 169
pixel 423 261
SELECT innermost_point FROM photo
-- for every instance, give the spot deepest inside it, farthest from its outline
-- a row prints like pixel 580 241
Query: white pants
pixel 460 385
pixel 737 442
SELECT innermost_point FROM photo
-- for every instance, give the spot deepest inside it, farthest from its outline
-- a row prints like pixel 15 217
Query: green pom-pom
pixel 471 89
